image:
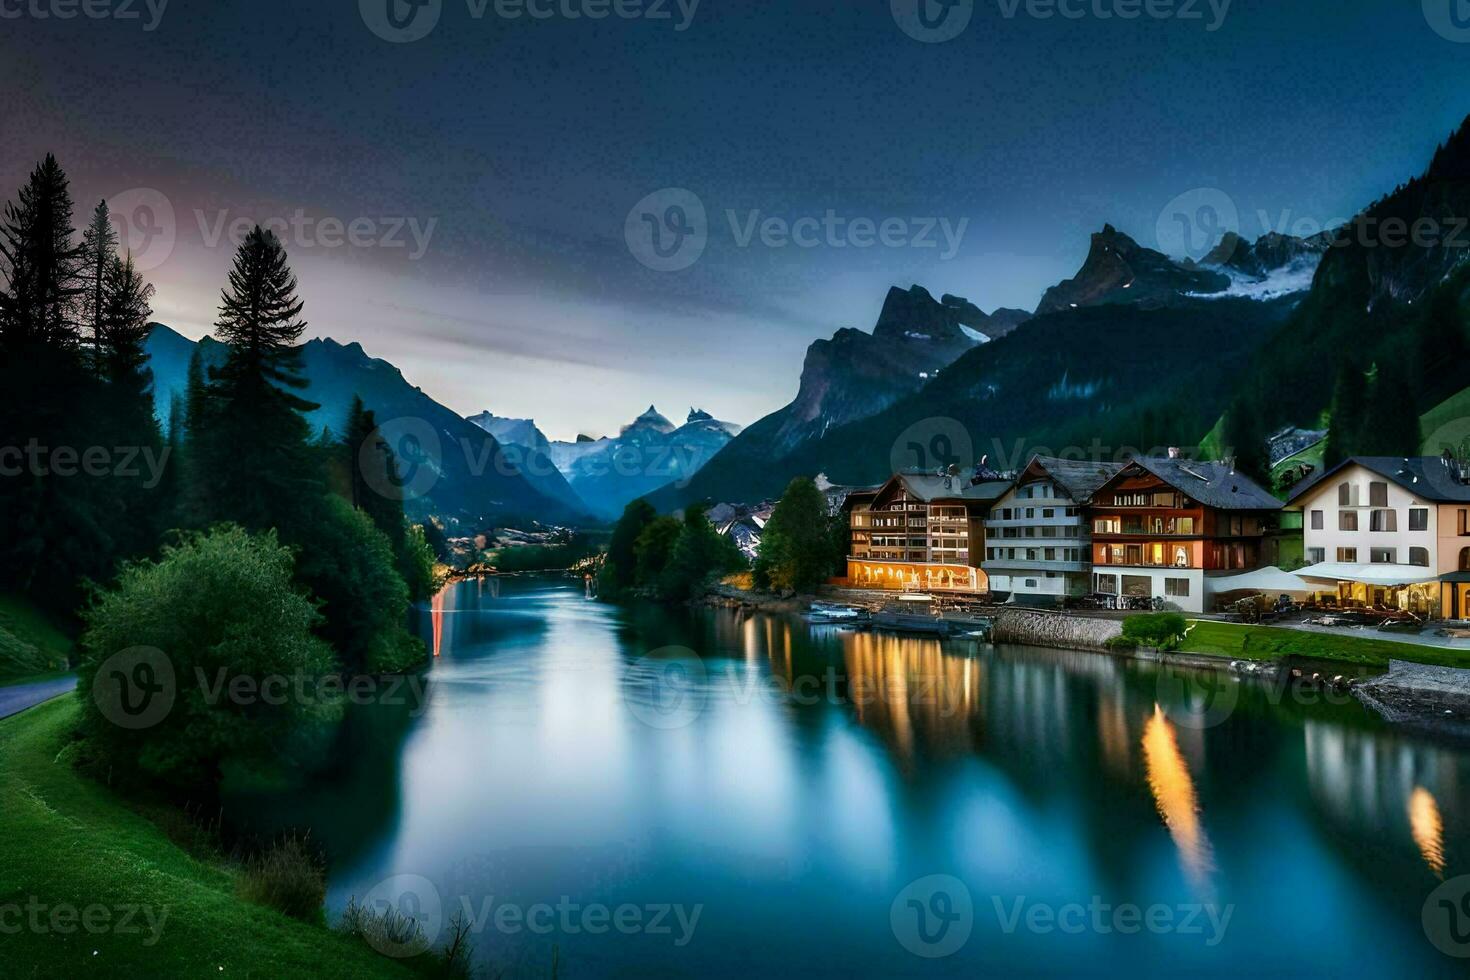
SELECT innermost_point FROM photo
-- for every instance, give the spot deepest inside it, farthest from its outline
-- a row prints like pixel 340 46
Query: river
pixel 639 791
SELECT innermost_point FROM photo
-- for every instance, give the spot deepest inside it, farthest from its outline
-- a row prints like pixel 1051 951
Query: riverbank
pixel 73 854
pixel 1434 698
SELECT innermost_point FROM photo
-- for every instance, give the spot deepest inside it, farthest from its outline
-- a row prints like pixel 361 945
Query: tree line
pixel 255 545
pixel 676 559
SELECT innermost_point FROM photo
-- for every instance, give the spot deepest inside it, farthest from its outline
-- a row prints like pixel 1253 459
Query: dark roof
pixel 1081 478
pixel 1211 482
pixel 929 487
pixel 1427 477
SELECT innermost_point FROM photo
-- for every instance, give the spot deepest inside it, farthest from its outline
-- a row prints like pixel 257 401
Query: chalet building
pixel 1162 527
pixel 1038 541
pixel 1390 533
pixel 920 531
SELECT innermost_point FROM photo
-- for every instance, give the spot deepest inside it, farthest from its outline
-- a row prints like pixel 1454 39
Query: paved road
pixel 19 697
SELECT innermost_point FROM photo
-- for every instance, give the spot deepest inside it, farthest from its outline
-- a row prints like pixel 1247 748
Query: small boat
pixel 831 612
pixel 914 613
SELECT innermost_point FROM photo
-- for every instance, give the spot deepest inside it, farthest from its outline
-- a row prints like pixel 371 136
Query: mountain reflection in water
pixel 816 772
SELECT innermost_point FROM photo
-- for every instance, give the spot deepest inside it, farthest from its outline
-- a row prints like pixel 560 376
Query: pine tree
pixel 254 461
pixel 99 250
pixel 37 308
pixel 620 571
pixel 1348 407
pixel 796 543
pixel 1391 426
pixel 1245 438
pixel 55 527
pixel 129 418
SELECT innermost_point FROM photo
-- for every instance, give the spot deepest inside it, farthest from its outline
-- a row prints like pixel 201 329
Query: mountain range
pixel 1139 350
pixel 478 481
pixel 648 453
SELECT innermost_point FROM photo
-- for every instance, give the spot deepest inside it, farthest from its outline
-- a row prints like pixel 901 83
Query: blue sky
pixel 460 203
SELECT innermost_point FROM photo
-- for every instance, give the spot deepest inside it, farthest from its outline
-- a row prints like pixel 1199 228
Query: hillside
pixel 474 481
pixel 1160 378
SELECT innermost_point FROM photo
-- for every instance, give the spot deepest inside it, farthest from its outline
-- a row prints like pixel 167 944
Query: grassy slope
pixel 1450 418
pixel 1273 642
pixel 64 839
pixel 22 618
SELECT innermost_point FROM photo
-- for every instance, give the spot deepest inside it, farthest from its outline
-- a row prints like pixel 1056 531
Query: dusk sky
pixel 510 153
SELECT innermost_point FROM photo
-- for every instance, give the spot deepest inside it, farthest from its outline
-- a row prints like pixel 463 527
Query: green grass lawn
pixel 66 842
pixel 1243 642
pixel 52 639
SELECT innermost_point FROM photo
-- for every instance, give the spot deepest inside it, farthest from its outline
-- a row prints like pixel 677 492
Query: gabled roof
pixel 1210 482
pixel 929 487
pixel 1427 477
pixel 1079 477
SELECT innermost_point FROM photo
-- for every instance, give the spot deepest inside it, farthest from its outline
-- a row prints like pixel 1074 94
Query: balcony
pixel 1039 565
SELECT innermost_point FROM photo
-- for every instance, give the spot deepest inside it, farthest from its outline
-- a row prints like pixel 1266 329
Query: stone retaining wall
pixel 1039 628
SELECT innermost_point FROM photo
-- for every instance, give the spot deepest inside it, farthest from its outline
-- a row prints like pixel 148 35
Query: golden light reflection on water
pixel 1175 797
pixel 909 688
pixel 1428 828
pixel 437 606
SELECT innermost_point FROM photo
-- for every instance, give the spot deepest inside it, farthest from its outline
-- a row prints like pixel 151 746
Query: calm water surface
pixel 792 784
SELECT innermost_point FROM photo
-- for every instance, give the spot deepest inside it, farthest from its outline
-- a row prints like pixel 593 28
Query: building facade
pixel 920 532
pixel 1161 526
pixel 1390 533
pixel 1038 540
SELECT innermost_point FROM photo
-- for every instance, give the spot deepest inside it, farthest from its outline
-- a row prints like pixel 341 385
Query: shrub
pixel 349 564
pixel 392 933
pixel 287 877
pixel 216 609
pixel 1163 629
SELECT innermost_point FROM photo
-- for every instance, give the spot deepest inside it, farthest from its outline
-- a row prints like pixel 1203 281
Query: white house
pixel 1390 532
pixel 1038 543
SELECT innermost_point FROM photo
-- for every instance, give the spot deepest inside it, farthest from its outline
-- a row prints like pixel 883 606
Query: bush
pixel 217 609
pixel 288 878
pixel 392 933
pixel 1163 629
pixel 349 564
